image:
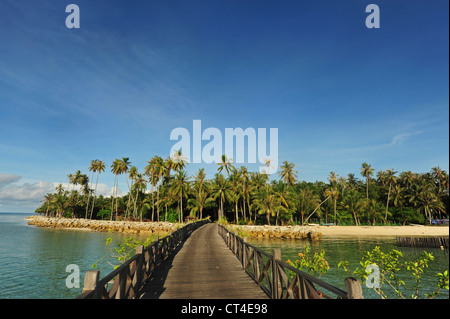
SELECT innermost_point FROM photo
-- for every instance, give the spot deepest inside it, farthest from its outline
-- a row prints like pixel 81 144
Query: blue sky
pixel 339 93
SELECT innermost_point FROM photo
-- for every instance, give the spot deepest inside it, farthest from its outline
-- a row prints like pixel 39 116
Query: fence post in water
pixel 353 287
pixel 276 283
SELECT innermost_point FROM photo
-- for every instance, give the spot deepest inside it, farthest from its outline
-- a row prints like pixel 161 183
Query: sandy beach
pixel 391 231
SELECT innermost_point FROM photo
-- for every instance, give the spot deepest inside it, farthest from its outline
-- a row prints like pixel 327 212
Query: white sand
pixel 391 231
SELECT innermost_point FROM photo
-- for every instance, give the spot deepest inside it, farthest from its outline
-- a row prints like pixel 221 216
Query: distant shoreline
pixel 133 227
pixel 297 232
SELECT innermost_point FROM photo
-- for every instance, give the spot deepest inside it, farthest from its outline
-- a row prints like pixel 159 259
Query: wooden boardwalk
pixel 203 268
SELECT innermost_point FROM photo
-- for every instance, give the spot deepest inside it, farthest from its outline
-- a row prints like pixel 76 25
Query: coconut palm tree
pixel 180 187
pixel 221 189
pixel 225 164
pixel 283 194
pixel 333 194
pixel 328 194
pixel 179 161
pixel 367 172
pixel 199 202
pixel 288 174
pixel 99 167
pixel 307 201
pixel 373 209
pixel 243 174
pixel 387 178
pixel 354 203
pixel 116 170
pixel 140 185
pixel 91 169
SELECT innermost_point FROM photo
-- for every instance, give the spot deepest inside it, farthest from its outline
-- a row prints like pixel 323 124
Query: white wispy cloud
pixel 16 196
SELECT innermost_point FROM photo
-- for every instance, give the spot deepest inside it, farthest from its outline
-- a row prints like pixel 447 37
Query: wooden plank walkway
pixel 203 268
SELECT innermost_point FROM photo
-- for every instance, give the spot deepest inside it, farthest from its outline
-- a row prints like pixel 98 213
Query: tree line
pixel 164 191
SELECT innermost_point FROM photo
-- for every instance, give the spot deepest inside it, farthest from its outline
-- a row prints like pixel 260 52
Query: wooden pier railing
pixel 279 280
pixel 126 281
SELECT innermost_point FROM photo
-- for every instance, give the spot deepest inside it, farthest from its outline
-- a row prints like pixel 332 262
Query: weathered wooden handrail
pixel 126 281
pixel 278 279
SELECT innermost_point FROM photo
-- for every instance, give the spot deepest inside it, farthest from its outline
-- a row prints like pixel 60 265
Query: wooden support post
pixel 244 253
pixel 276 283
pixel 156 241
pixel 90 285
pixel 138 277
pixel 353 287
pixel 90 280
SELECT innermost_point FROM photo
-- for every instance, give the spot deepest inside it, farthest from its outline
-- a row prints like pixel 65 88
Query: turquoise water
pixel 352 249
pixel 33 260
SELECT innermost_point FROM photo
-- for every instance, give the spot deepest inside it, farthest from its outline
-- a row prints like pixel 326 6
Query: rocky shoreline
pixel 286 232
pixel 161 228
pixel 104 225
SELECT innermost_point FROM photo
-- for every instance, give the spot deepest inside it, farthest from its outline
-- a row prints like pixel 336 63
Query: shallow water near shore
pixel 33 260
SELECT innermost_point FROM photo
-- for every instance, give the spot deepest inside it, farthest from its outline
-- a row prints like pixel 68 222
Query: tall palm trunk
pixel 95 196
pixel 387 202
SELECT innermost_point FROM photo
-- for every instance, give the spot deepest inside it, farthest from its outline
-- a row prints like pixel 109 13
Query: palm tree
pixel 160 171
pixel 226 163
pixel 372 209
pixel 116 170
pixel 140 185
pixel 236 193
pixel 441 177
pixel 426 200
pixel 133 174
pixel 178 160
pixel 285 199
pixel 91 169
pixel 307 201
pixel 288 174
pixel 397 192
pixel 198 203
pixel 151 170
pixel 334 194
pixel 199 180
pixel 328 194
pixel 351 180
pixel 98 168
pixel 243 173
pixel 179 187
pixel 387 177
pixel 407 178
pixel 221 189
pixel 367 172
pixel 353 203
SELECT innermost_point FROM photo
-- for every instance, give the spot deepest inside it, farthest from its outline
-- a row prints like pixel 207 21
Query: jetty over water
pixel 204 260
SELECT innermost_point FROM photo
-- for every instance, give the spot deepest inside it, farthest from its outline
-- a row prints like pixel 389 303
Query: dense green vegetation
pixel 164 189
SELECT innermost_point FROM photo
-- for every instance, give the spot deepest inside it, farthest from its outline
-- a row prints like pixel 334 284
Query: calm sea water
pixel 33 260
